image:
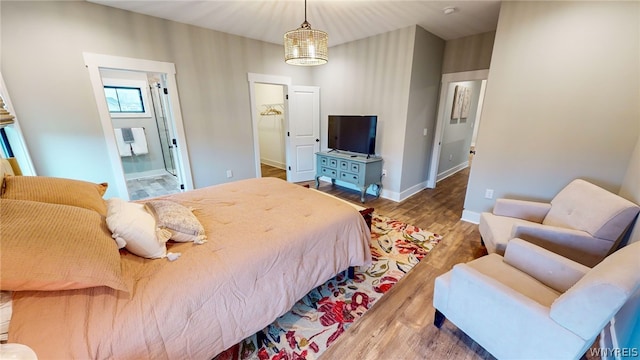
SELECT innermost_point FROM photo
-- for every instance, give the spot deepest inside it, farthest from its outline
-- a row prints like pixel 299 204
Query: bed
pixel 269 242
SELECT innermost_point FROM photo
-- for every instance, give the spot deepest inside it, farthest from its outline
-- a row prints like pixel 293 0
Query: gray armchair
pixel 583 222
pixel 535 304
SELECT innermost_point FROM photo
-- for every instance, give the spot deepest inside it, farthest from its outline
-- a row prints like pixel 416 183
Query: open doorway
pixel 300 124
pixel 143 130
pixel 269 99
pixel 141 119
pixel 459 114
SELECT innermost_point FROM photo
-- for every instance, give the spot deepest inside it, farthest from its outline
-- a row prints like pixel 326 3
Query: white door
pixel 303 139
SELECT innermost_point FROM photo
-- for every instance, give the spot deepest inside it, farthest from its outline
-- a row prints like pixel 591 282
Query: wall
pixel 458 133
pixel 561 100
pixel 626 324
pixel 271 129
pixel 352 83
pixel 422 113
pixel 468 53
pixel 396 76
pixel 41 60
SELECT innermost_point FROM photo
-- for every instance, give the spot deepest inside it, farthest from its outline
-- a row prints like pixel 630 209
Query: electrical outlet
pixel 488 194
pixel 450 157
pixel 384 172
pixel 425 131
pixel 229 173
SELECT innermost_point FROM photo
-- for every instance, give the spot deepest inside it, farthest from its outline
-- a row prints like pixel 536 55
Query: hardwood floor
pixel 270 171
pixel 400 325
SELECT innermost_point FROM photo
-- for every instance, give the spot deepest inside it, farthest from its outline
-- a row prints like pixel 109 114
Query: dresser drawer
pixel 344 165
pixel 350 177
pixel 350 166
pixel 329 172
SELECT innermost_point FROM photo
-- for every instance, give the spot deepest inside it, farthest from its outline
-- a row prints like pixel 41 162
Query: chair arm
pixel 573 244
pixel 521 209
pixel 553 270
pixel 504 321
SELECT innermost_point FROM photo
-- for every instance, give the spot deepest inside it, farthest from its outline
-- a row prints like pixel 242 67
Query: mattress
pixel 269 243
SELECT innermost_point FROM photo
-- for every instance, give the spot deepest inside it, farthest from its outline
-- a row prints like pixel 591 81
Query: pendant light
pixel 6 118
pixel 306 46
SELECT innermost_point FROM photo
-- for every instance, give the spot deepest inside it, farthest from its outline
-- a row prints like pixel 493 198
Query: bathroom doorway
pixel 140 113
pixel 137 104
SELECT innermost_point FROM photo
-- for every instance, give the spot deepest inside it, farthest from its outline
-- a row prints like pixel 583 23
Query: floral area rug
pixel 324 314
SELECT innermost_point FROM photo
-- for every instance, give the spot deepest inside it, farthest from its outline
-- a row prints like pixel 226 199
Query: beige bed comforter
pixel 270 242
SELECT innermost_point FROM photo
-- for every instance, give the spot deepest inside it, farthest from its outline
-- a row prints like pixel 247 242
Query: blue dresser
pixel 355 169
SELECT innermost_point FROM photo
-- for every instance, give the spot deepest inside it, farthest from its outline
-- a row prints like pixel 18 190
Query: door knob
pixel 317 140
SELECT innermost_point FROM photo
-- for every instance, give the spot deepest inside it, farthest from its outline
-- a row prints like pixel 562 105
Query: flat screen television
pixel 354 133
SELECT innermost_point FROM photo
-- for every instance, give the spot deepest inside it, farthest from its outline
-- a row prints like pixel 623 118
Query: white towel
pixel 123 148
pixel 139 146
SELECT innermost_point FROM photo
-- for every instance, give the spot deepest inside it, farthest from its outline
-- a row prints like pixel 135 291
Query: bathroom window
pixel 122 99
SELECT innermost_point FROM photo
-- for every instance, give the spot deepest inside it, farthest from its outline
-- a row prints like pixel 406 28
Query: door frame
pixel 254 79
pixel 94 62
pixel 439 132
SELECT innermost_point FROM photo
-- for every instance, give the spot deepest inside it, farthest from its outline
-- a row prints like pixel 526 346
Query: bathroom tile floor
pixel 152 186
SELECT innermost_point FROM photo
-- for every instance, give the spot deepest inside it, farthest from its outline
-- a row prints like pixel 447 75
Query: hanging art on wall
pixel 461 100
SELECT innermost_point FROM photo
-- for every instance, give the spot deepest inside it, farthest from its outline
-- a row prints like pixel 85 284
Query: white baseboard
pixel 445 174
pixel 470 216
pixel 404 195
pixel 274 163
pixel 385 194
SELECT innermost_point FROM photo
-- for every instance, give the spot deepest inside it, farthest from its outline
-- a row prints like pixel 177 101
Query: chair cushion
pixel 496 231
pixel 494 266
pixel 587 306
pixel 587 207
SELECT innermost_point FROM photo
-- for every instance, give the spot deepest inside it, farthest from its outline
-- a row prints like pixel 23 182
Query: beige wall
pixel 42 64
pixel 468 53
pixel 631 186
pixel 422 114
pixel 367 77
pixel 561 100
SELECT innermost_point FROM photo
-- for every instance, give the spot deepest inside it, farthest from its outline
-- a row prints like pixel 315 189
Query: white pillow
pixel 134 228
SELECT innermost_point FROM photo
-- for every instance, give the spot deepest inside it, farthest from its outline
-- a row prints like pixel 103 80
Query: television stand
pixel 358 170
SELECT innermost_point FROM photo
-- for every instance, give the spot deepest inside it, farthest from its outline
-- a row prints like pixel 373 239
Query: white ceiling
pixel 344 21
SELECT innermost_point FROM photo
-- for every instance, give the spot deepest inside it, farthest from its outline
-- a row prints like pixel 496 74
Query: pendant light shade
pixel 306 46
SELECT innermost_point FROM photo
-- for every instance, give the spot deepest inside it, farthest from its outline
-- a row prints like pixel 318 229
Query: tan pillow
pixel 178 219
pixel 54 190
pixel 56 247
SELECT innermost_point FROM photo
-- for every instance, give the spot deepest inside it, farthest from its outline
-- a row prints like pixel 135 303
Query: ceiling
pixel 344 21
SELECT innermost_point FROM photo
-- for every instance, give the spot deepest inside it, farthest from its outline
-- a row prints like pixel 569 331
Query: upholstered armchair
pixel 583 222
pixel 535 304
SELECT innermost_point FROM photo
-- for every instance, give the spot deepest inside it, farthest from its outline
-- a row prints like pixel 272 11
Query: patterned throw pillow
pixel 178 219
